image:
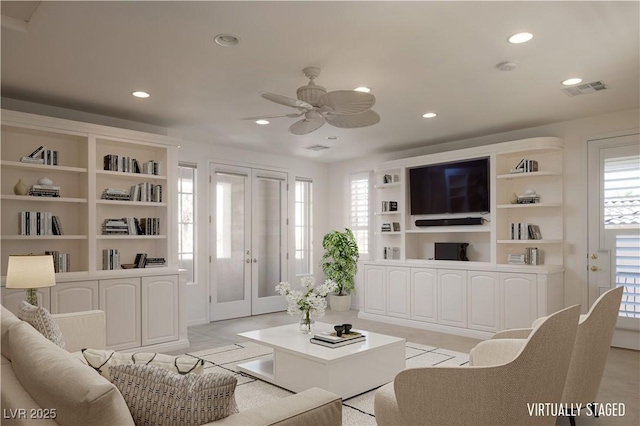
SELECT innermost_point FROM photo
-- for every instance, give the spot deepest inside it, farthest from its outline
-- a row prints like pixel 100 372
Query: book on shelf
pixel 336 344
pixel 36 152
pixel 110 259
pixel 141 260
pixel 35 223
pixel 332 337
pixel 61 261
pixel 31 160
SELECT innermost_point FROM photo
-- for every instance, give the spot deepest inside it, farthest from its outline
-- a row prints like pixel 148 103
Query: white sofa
pixel 38 376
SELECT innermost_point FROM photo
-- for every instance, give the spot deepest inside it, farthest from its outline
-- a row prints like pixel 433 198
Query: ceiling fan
pixel 342 108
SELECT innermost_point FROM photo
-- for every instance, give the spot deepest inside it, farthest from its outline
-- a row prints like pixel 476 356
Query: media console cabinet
pixel 404 284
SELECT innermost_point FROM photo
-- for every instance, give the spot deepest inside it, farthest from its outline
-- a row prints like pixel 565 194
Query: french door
pixel 614 228
pixel 249 235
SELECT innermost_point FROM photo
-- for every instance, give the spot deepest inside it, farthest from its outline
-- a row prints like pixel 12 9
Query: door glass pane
pixel 268 232
pixel 230 237
pixel 621 224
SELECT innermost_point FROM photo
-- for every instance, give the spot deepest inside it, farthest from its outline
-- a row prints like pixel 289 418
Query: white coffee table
pixel 297 364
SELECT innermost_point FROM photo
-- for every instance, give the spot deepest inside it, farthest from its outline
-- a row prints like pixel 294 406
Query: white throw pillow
pixel 158 397
pixel 41 320
pixel 104 360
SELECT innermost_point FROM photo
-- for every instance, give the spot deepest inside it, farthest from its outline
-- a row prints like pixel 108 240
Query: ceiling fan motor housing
pixel 311 93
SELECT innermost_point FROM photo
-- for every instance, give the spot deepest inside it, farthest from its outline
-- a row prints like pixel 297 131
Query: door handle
pixel 255 260
pixel 248 260
pixel 595 268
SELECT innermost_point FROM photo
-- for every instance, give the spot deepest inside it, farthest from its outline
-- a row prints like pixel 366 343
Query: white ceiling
pixel 416 57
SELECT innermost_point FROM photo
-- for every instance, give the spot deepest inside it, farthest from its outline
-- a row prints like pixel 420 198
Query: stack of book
pixel 110 259
pixel 155 262
pixel 386 227
pixel 332 340
pixel 115 194
pixel 524 231
pixel 38 223
pixel 41 155
pixel 61 261
pixel 146 192
pixel 44 190
pixel 115 227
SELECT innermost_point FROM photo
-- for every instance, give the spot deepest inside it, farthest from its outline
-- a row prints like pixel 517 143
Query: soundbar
pixel 450 222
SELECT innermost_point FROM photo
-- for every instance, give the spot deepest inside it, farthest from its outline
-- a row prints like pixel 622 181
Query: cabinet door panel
pixel 519 300
pixel 484 300
pixel 11 298
pixel 424 294
pixel 452 287
pixel 375 290
pixel 159 309
pixel 120 300
pixel 74 297
pixel 398 292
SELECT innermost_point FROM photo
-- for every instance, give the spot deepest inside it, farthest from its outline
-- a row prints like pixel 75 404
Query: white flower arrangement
pixel 310 298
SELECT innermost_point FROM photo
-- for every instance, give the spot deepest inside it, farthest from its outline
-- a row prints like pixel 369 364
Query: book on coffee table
pixel 337 344
pixel 332 337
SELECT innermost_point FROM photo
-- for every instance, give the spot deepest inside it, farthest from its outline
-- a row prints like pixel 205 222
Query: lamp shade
pixel 30 272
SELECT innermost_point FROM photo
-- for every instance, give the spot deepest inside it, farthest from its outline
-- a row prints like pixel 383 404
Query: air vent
pixel 318 147
pixel 583 89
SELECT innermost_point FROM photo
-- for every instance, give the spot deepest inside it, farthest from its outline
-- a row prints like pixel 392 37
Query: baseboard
pixel 465 332
pixel 176 345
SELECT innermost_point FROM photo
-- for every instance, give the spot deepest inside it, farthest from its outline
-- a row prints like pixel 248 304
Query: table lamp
pixel 30 272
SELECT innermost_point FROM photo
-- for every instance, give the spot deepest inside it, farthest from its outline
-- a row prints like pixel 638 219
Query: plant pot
pixel 339 303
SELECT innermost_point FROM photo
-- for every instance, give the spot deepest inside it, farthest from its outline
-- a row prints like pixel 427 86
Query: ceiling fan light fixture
pixel 262 122
pixel 140 94
pixel 226 40
pixel 520 38
pixel 429 115
pixel 572 81
pixel 362 89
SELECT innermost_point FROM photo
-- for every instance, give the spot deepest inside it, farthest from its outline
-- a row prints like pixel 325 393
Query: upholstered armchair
pixel 533 371
pixel 593 340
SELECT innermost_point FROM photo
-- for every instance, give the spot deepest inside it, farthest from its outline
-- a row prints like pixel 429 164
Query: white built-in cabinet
pixel 424 294
pixel 474 303
pixel 144 307
pixel 452 290
pixel 404 284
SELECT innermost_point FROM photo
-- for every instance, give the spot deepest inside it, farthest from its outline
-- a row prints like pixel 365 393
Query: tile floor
pixel 620 384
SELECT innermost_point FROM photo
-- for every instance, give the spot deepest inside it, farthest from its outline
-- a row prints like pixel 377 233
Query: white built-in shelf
pixel 43 237
pixel 386 213
pixel 43 199
pixel 131 237
pixel 389 233
pixel 21 165
pixel 543 241
pixel 528 206
pixel 127 175
pixel 131 203
pixel 447 229
pixel 388 185
pixel 527 175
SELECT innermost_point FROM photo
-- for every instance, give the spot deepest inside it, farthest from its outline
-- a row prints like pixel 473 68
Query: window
pixel 359 211
pixel 186 219
pixel 622 221
pixel 304 226
pixel 223 220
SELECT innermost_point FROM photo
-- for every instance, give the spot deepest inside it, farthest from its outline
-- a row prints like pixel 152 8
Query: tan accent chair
pixel 486 395
pixel 593 340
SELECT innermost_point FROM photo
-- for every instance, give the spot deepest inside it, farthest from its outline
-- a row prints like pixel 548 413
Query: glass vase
pixel 306 322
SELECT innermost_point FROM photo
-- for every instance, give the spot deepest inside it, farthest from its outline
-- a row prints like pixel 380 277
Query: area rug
pixel 357 410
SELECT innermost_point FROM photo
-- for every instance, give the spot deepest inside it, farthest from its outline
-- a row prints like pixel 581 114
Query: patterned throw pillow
pixel 156 396
pixel 104 360
pixel 41 320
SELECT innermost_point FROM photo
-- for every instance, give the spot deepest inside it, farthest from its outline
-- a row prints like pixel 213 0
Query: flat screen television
pixel 457 187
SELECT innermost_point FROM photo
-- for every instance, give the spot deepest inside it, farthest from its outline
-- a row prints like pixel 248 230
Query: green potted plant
pixel 340 264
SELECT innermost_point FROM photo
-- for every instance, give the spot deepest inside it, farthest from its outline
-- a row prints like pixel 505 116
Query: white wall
pixel 574 133
pixel 202 155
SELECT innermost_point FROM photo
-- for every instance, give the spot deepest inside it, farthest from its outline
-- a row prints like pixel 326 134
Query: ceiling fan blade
pixel 346 102
pixel 258 117
pixel 364 119
pixel 305 126
pixel 284 100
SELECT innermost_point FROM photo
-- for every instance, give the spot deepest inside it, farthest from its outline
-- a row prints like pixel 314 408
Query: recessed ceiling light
pixel 227 40
pixel 572 81
pixel 262 122
pixel 362 89
pixel 429 115
pixel 332 138
pixel 139 94
pixel 520 38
